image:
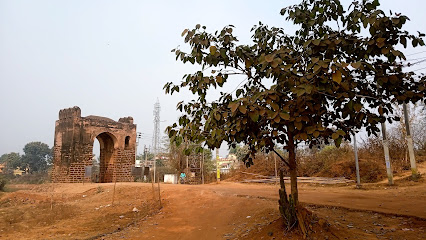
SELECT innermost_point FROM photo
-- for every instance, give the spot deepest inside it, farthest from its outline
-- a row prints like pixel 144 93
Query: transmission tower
pixel 156 135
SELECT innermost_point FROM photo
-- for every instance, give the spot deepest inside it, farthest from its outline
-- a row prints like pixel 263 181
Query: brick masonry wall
pixel 73 147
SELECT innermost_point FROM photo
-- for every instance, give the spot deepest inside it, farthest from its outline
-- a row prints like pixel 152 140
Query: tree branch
pixel 282 158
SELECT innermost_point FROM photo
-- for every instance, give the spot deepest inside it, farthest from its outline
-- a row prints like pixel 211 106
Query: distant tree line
pixel 37 157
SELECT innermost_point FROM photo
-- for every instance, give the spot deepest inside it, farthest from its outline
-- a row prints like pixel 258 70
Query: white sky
pixel 112 58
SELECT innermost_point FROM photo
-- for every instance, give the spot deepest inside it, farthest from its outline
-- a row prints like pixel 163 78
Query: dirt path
pixel 214 211
pixel 228 210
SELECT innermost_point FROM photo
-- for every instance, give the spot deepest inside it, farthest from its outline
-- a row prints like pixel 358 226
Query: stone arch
pixel 74 143
pixel 107 142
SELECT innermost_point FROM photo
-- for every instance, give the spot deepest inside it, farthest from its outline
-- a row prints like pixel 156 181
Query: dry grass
pixel 42 212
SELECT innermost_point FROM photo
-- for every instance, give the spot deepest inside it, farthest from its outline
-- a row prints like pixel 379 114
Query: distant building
pixel 229 163
pixel 18 172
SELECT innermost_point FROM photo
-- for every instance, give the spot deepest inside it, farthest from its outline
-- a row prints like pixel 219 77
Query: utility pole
pixel 145 152
pixel 410 142
pixel 202 168
pixel 156 136
pixel 358 181
pixel 276 172
pixel 386 150
pixel 138 136
pixel 217 165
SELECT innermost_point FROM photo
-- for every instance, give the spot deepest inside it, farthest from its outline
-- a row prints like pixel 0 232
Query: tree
pixel 241 152
pixel 12 161
pixel 37 157
pixel 398 133
pixel 329 79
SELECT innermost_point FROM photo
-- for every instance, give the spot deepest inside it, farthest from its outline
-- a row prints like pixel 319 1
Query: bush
pixel 370 170
pixel 3 182
pixel 33 178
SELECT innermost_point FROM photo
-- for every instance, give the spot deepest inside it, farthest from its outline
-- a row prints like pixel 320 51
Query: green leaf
pixel 238 92
pixel 341 132
pixel 213 50
pixel 187 152
pixel 380 110
pixel 350 105
pixel 317 68
pixel 217 116
pixel 285 115
pixel 276 62
pixel 380 42
pixel 219 79
pixel 356 65
pixel 233 106
pixel 184 32
pixel 299 91
pixel 269 58
pixel 338 141
pixel 254 116
pixel 242 109
pixel 277 119
pixel 308 88
pixel 298 125
pixel 303 136
pixel 334 136
pixel 316 42
pixel 337 76
pixel 357 107
pixel 275 106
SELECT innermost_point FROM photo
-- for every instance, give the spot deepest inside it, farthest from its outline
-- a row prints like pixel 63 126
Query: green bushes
pixel 3 182
pixel 32 178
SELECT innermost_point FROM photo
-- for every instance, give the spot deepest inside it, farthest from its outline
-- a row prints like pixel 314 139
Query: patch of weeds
pixel 3 183
pixel 99 189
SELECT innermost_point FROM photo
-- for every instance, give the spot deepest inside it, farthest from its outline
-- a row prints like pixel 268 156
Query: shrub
pixel 33 178
pixel 3 182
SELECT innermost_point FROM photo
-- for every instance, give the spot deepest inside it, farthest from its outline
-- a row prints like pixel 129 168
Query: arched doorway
pixel 95 161
pixel 106 157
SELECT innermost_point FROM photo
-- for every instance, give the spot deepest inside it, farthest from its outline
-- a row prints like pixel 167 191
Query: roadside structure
pixel 73 147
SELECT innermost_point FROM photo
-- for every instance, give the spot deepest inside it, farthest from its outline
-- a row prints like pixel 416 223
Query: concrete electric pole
pixel 387 159
pixel 410 142
pixel 358 181
pixel 156 136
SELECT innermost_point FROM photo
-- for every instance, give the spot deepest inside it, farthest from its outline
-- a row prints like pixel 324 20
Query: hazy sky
pixel 112 58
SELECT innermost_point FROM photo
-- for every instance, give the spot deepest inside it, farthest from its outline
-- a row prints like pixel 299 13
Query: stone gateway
pixel 73 148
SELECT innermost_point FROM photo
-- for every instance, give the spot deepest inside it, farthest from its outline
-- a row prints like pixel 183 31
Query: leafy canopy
pixel 37 156
pixel 339 72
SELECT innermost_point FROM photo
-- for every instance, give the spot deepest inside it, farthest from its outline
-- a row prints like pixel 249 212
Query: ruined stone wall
pixel 73 148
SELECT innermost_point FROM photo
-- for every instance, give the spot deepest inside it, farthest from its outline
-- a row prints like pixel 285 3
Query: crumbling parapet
pixel 73 147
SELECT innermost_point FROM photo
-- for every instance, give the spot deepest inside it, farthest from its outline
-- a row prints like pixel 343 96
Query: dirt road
pixel 214 211
pixel 231 210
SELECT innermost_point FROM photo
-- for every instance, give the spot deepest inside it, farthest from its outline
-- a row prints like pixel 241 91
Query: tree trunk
pixel 293 168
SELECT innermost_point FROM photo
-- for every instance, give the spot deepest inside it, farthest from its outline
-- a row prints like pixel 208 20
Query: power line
pixel 418 69
pixel 415 53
